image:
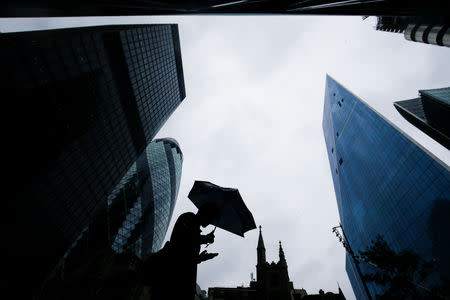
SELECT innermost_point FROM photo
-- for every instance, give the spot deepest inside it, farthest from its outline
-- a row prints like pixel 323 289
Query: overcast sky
pixel 252 119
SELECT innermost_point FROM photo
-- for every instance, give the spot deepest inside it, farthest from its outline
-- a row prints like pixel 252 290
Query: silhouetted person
pixel 177 274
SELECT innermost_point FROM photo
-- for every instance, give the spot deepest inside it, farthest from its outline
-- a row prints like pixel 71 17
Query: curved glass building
pixel 139 208
pixel 142 204
pixel 385 183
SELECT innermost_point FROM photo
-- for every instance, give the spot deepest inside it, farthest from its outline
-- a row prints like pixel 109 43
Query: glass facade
pixel 385 184
pixel 150 214
pixel 84 104
pixel 138 213
pixel 154 189
pixel 430 113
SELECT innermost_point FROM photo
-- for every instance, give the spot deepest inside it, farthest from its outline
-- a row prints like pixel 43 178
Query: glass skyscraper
pixel 429 29
pixel 139 208
pixel 430 113
pixel 385 183
pixel 158 173
pixel 83 104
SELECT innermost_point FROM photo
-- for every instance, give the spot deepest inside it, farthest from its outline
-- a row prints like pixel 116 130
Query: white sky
pixel 252 119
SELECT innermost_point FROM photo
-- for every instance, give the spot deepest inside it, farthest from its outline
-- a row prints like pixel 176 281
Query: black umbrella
pixel 234 215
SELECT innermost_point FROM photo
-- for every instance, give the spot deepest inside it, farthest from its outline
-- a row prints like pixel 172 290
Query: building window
pixel 337 133
pixel 332 150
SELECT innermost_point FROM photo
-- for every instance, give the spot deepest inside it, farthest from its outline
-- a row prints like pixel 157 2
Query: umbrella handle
pixel 209 233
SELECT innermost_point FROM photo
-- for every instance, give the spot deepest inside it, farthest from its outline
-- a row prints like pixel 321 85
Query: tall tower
pixel 272 279
pixel 432 29
pixel 261 266
pixel 139 209
pixel 385 183
pixel 87 101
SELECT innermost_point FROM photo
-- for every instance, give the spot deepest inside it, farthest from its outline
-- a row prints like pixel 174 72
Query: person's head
pixel 207 213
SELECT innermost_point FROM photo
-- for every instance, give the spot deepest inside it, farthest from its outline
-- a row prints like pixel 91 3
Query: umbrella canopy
pixel 234 214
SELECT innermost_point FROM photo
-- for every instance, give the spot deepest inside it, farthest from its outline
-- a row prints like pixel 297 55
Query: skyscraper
pixel 139 208
pixel 430 113
pixel 158 171
pixel 83 104
pixel 385 183
pixel 429 29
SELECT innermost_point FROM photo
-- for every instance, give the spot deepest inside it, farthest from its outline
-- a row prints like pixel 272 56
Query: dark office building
pixel 385 183
pixel 82 105
pixel 430 29
pixel 430 113
pixel 272 282
pixel 41 8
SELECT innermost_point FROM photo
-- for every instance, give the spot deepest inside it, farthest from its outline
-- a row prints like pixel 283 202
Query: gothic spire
pixel 261 249
pixel 260 240
pixel 341 294
pixel 281 255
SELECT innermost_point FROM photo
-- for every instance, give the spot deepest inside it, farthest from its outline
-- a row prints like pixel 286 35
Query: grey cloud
pixel 264 131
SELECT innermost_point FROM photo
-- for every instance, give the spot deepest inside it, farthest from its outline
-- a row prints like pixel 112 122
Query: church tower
pixel 272 279
pixel 261 267
pixel 261 249
pixel 272 282
pixel 282 260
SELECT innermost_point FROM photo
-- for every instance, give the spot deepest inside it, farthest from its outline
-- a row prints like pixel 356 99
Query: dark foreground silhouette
pixel 170 272
pixel 177 260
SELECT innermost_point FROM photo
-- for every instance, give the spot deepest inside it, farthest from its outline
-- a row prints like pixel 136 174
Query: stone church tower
pixel 272 279
pixel 272 282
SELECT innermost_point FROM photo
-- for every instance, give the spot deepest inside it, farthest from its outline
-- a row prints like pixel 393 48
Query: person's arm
pixel 208 238
pixel 203 256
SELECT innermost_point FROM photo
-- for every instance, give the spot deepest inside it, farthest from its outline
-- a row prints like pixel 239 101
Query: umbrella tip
pixel 259 228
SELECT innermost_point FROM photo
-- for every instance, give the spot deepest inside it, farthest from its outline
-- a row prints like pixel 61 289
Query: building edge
pixel 428 152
